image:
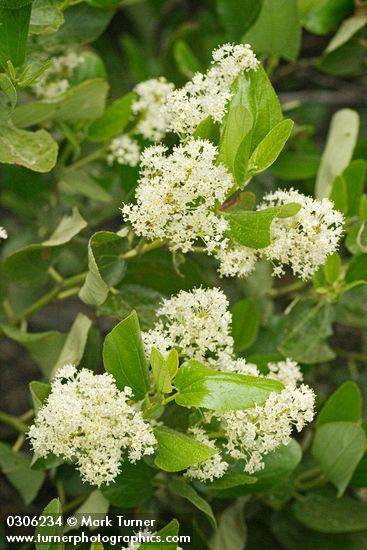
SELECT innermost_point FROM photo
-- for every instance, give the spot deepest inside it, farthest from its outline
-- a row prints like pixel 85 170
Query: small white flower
pixel 123 150
pixel 152 120
pixel 54 81
pixel 213 467
pixel 177 194
pixel 208 94
pixel 305 240
pixel 88 420
pixel 197 323
pixel 3 233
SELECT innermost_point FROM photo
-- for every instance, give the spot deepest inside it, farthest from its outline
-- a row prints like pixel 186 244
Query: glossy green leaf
pixel 252 228
pixel 277 30
pixel 345 32
pixel 344 405
pixel 169 530
pixel 324 513
pixel 184 490
pixel 160 371
pixel 14 32
pixel 338 447
pixel 237 17
pixel 270 147
pixel 16 468
pixel 131 487
pixel 341 140
pixel 332 267
pixel 124 357
pixel 53 509
pixel 177 451
pixel 357 269
pixel 306 329
pixel 254 91
pixel 325 15
pixel 237 125
pixel 68 227
pixel 39 393
pixel 28 266
pixel 114 119
pixel 200 386
pixel 245 323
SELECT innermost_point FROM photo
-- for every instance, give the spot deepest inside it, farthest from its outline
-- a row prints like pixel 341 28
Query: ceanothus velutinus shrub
pixel 196 399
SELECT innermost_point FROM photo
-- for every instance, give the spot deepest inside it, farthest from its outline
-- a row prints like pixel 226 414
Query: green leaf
pixel 7 87
pixel 96 503
pixel 114 120
pixel 177 451
pixel 76 182
pixel 200 386
pixel 144 300
pixel 232 531
pixel 16 468
pixel 245 323
pixel 53 509
pixel 252 228
pixel 237 125
pixel 34 150
pixel 44 347
pixel 229 481
pixel 14 4
pixel 132 487
pixel 160 371
pixel 305 332
pixel 86 101
pixel 39 393
pixel 346 30
pixel 325 16
pixel 169 530
pixel 236 17
pixel 185 59
pixel 341 140
pixel 124 358
pixel 184 490
pixel 83 24
pixel 332 267
pixel 207 129
pixel 326 514
pixel 73 349
pixel 345 405
pixel 338 447
pixel 254 91
pixel 14 31
pixel 28 266
pixel 277 30
pixel 66 229
pixel 270 147
pixel 357 269
pixel 348 188
pixel 105 267
pixel 46 17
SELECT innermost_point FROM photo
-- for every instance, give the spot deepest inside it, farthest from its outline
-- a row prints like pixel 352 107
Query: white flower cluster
pixel 305 240
pixel 3 233
pixel 54 81
pixel 196 323
pixel 152 120
pixel 123 150
pixel 87 419
pixel 253 433
pixel 208 94
pixel 177 193
pixel 213 467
